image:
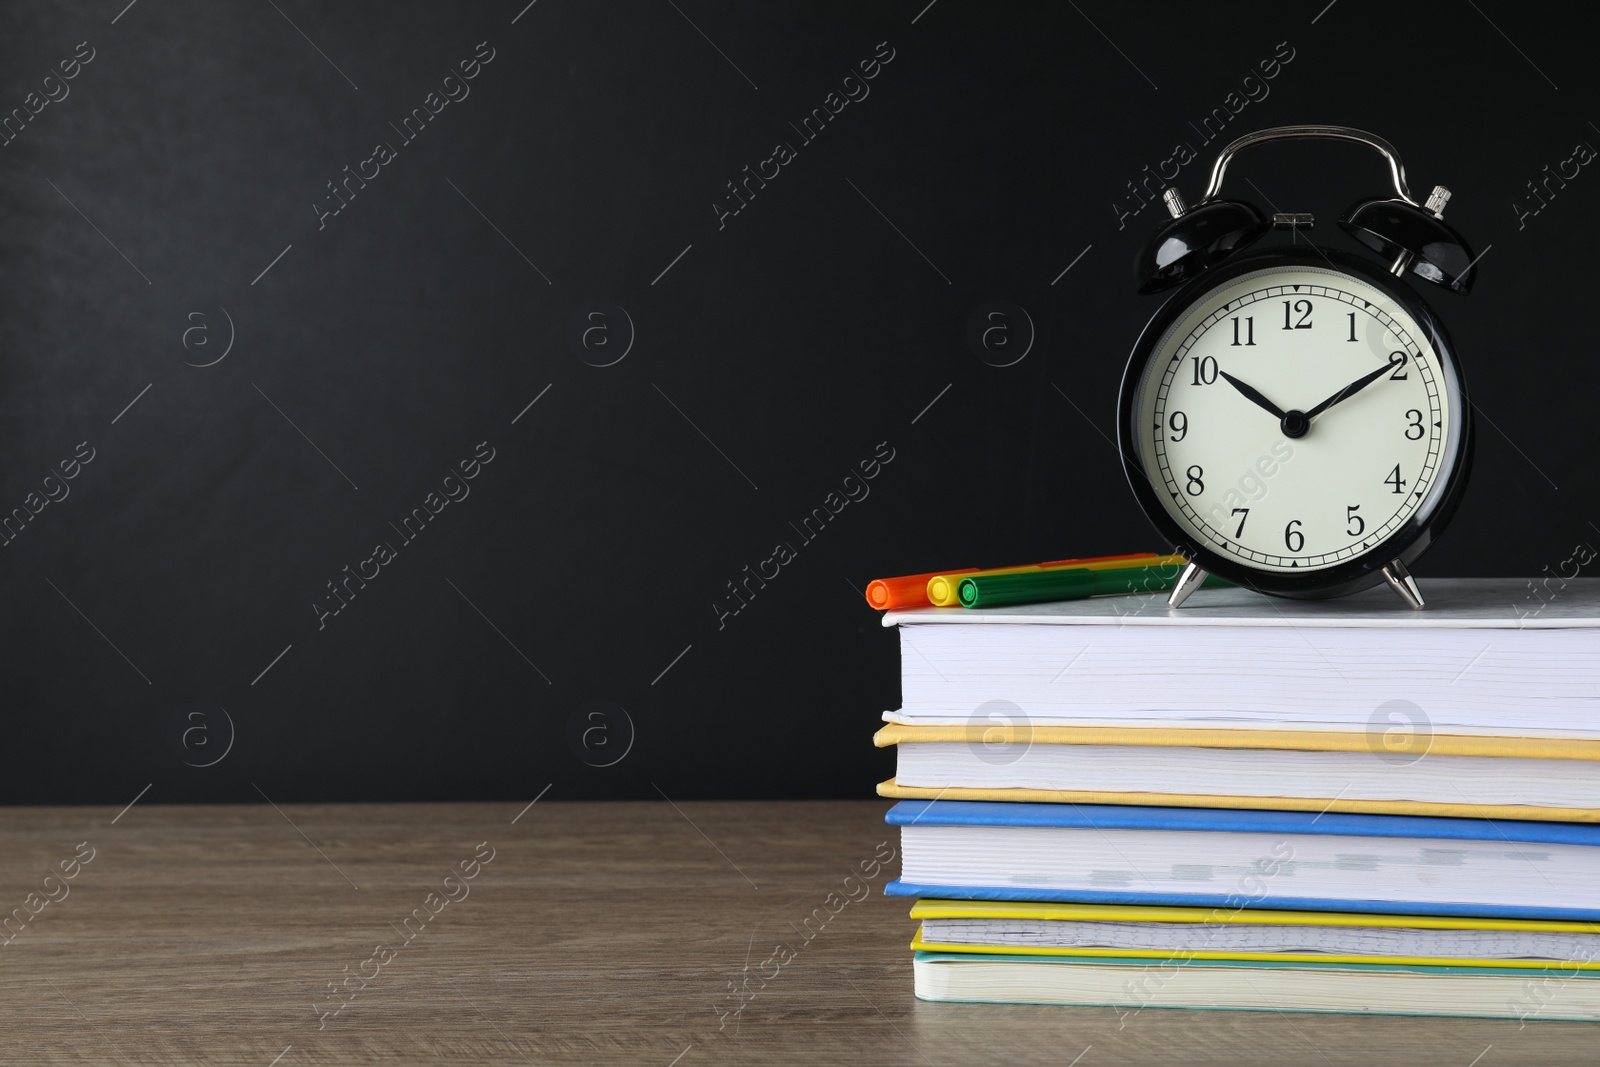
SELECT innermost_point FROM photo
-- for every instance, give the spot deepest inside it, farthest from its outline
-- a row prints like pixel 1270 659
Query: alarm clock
pixel 1294 419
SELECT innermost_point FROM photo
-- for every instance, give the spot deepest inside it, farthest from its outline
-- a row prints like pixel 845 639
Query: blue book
pixel 1224 858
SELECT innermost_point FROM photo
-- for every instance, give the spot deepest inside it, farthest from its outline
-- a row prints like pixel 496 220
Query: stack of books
pixel 1254 803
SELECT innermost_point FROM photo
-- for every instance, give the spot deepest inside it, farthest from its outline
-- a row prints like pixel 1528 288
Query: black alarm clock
pixel 1294 419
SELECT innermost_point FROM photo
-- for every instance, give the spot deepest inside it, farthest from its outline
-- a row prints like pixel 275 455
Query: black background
pixel 797 336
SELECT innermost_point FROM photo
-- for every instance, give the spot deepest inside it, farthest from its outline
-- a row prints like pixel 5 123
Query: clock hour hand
pixel 1252 394
pixel 1348 391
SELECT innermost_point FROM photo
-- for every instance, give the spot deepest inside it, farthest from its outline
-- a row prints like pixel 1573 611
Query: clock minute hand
pixel 1348 391
pixel 1252 394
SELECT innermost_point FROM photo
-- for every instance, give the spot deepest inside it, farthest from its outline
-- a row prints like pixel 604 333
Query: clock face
pixel 1295 418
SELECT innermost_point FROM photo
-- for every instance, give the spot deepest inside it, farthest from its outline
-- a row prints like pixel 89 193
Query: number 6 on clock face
pixel 1294 423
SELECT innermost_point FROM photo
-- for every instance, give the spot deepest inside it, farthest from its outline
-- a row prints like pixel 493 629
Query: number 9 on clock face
pixel 1294 423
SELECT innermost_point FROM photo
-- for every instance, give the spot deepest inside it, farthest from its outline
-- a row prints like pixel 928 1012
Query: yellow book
pixel 1373 772
pixel 1175 935
pixel 1161 737
pixel 930 908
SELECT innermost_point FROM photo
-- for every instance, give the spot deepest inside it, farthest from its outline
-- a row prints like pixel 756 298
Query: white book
pixel 1487 656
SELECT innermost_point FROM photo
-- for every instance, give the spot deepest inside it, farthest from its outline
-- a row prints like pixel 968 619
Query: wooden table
pixel 593 933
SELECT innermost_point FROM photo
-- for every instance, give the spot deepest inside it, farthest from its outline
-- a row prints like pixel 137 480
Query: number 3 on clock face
pixel 1295 422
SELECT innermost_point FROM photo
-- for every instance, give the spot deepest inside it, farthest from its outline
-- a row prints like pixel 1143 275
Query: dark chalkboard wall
pixel 278 277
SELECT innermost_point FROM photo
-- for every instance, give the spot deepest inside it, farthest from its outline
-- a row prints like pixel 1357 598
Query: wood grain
pixel 598 933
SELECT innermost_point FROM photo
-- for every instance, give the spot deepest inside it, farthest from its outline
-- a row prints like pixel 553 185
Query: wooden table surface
pixel 588 933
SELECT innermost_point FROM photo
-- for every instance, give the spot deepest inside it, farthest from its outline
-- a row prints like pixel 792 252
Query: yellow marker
pixel 942 588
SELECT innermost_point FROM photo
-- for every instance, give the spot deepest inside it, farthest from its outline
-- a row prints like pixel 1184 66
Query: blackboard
pixel 432 401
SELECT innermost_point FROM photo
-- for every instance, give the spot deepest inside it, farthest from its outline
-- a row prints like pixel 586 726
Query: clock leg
pixel 1401 582
pixel 1188 582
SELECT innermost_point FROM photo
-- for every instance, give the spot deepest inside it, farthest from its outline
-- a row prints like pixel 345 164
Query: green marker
pixel 994 590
